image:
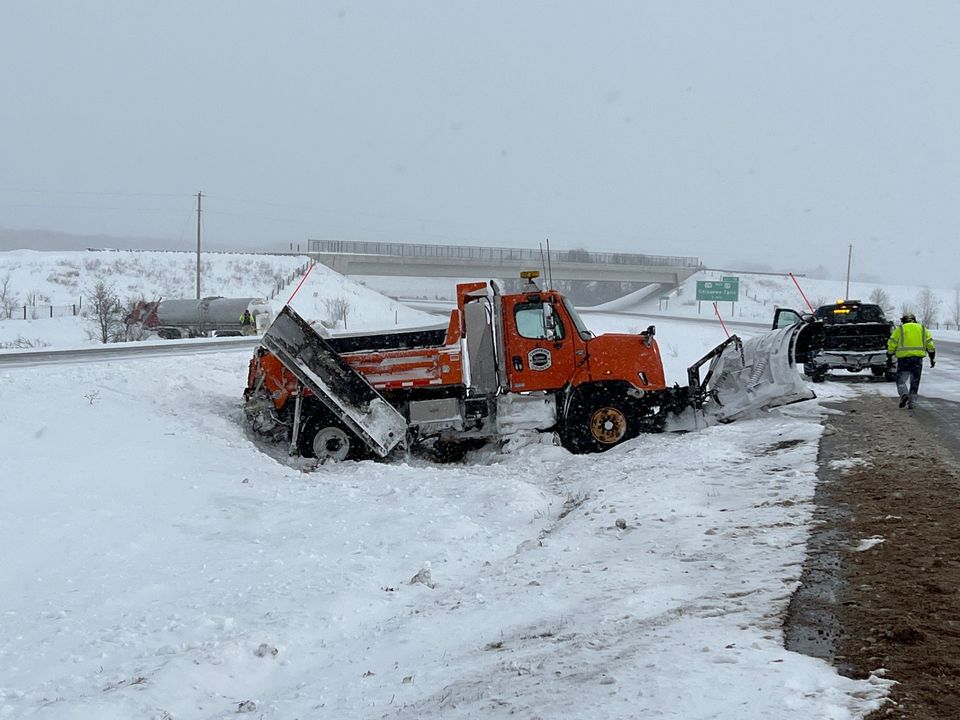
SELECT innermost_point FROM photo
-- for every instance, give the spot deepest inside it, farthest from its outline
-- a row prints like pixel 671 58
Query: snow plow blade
pixel 342 389
pixel 744 377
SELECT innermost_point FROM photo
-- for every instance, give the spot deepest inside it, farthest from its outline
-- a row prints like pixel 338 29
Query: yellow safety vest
pixel 910 340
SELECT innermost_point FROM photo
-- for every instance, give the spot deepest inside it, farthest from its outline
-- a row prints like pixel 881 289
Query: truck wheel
pixel 327 440
pixel 814 373
pixel 598 422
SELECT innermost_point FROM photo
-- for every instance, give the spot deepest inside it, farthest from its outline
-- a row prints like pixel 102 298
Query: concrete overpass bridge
pixel 350 257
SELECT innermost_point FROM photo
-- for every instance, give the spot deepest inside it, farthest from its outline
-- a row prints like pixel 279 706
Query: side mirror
pixel 549 321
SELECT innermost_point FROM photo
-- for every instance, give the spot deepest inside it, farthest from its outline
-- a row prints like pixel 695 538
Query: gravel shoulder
pixel 880 585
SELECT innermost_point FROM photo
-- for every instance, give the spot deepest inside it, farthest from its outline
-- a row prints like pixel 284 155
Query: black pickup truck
pixel 849 335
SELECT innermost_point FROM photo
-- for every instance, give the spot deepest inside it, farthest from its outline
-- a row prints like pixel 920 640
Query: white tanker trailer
pixel 209 316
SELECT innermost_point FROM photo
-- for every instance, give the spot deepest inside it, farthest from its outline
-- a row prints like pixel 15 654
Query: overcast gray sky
pixel 774 131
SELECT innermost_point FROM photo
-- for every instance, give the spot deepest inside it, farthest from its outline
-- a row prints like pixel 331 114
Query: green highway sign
pixel 723 291
pixel 730 278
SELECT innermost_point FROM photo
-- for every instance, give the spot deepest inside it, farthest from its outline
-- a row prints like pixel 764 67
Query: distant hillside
pixel 760 295
pixel 56 278
pixel 43 295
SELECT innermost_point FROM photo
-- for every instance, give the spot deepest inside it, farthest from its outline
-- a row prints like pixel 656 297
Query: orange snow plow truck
pixel 503 363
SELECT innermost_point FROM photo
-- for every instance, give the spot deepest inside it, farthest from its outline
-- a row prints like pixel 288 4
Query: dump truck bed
pixel 433 336
pixel 416 358
pixel 347 394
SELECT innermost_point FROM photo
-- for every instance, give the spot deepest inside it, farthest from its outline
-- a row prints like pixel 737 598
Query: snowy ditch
pixel 154 552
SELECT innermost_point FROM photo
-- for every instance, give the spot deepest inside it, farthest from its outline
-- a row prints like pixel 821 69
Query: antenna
pixel 549 266
pixel 849 259
pixel 199 196
pixel 543 261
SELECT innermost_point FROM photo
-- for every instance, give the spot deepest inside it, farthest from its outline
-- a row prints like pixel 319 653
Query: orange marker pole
pixel 801 292
pixel 722 323
pixel 302 280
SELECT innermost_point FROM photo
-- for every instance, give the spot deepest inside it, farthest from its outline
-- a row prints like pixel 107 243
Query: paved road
pixel 940 419
pixel 938 410
pixel 940 416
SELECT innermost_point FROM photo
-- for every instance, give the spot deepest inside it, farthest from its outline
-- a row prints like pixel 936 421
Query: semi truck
pixel 186 318
pixel 500 364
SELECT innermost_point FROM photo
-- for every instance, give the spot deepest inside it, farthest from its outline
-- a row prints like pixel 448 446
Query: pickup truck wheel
pixel 326 440
pixel 814 373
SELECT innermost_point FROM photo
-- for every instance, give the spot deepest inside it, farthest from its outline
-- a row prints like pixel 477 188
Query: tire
pixel 814 373
pixel 598 422
pixel 327 440
pixel 883 373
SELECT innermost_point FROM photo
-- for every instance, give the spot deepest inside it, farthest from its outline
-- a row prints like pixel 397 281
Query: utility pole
pixel 849 258
pixel 199 197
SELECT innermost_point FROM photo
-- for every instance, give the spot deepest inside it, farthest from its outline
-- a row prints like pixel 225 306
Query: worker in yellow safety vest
pixel 910 341
pixel 246 323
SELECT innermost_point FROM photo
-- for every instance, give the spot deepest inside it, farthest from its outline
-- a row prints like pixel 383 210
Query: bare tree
pixel 105 314
pixel 955 310
pixel 879 296
pixel 928 306
pixel 338 309
pixel 8 300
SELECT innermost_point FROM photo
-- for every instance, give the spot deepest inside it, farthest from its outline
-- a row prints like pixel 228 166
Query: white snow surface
pixel 152 547
pixel 162 563
pixel 65 280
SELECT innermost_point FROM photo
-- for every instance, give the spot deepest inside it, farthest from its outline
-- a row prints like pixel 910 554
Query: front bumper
pixel 832 360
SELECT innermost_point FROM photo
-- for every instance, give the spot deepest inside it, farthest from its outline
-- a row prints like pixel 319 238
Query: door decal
pixel 539 359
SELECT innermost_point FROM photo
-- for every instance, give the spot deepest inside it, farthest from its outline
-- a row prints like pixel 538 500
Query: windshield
pixel 577 321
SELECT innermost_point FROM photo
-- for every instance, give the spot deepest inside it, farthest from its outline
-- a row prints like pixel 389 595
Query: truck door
pixel 784 317
pixel 540 344
pixel 809 339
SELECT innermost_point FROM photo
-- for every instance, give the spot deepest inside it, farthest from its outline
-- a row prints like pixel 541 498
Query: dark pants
pixel 909 369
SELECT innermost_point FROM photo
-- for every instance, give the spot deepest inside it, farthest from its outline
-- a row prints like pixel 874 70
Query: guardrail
pixel 475 252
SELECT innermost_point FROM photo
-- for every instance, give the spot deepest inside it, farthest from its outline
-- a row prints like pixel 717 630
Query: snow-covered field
pixel 66 280
pixel 160 563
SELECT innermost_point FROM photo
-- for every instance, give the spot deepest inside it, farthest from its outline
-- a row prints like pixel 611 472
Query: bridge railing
pixel 475 252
